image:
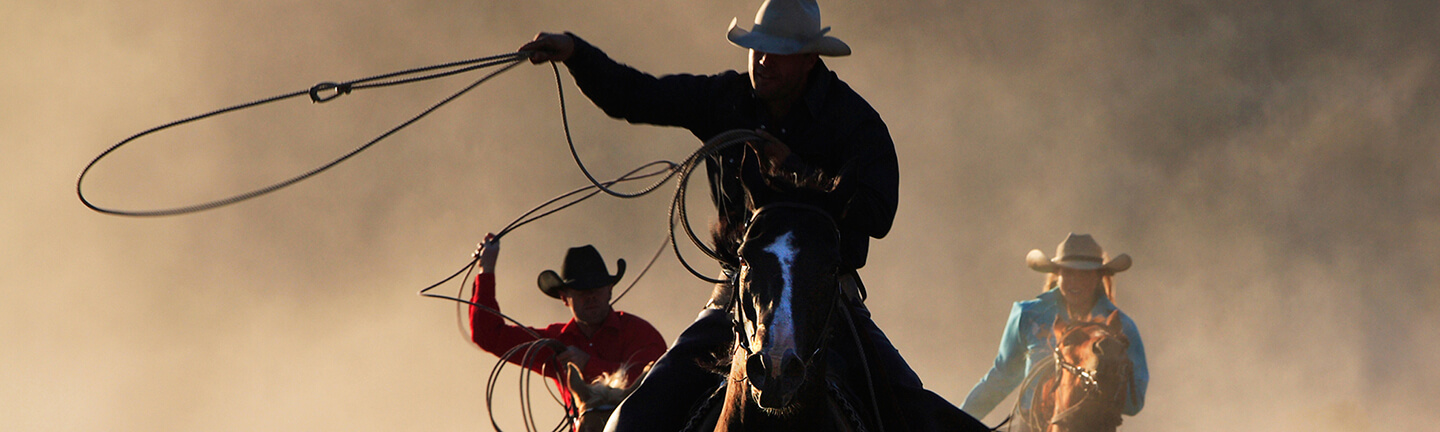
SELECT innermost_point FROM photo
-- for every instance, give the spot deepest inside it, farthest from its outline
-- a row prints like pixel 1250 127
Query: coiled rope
pixel 328 91
pixel 677 216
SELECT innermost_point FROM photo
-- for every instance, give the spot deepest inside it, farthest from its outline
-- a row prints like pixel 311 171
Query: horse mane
pixel 609 386
pixel 811 188
pixel 600 396
pixel 613 386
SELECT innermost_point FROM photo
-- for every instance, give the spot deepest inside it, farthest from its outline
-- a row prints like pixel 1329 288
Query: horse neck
pixel 593 420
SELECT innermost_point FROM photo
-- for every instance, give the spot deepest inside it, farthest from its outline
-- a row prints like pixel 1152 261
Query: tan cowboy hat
pixel 584 270
pixel 787 27
pixel 1080 252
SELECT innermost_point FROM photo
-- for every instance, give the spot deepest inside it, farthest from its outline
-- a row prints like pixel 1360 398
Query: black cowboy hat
pixel 584 270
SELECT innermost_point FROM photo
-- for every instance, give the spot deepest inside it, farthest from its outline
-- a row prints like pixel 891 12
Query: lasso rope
pixel 332 90
pixel 328 91
pixel 1026 413
pixel 531 216
pixel 529 359
pixel 677 215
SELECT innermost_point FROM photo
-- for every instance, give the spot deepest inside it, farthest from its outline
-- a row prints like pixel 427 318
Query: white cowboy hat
pixel 1079 252
pixel 787 27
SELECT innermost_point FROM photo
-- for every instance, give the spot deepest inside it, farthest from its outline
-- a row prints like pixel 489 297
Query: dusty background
pixel 1271 166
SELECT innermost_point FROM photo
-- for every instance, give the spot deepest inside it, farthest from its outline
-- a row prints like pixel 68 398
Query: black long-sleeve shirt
pixel 837 132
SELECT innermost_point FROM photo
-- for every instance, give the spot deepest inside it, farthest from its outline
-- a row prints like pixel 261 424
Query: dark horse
pixel 797 361
pixel 1087 388
pixel 790 318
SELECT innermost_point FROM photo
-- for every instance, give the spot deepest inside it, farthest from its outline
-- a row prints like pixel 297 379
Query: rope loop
pixel 317 95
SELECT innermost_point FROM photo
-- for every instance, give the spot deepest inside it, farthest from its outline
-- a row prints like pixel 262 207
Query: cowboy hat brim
pixel 1037 261
pixel 766 43
pixel 550 282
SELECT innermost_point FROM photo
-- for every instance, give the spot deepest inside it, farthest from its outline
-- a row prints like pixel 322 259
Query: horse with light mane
pixel 596 400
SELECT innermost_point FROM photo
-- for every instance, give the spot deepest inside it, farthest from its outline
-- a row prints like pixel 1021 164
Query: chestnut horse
pixel 1087 388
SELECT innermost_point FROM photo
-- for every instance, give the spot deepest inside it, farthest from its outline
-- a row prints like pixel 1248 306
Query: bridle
pixel 580 418
pixel 1089 380
pixel 825 329
pixel 738 311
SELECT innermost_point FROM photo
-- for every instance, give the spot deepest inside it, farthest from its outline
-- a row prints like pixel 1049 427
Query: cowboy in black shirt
pixel 814 122
pixel 828 126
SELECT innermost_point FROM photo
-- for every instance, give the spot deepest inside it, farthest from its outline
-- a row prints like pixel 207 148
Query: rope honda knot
pixel 340 89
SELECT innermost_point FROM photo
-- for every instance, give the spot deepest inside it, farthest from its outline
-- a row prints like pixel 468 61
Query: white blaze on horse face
pixel 782 324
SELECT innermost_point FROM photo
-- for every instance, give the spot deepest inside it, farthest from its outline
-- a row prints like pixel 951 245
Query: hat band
pixel 1079 258
pixel 797 35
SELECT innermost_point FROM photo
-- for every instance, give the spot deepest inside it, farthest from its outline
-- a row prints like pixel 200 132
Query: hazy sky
pixel 1271 166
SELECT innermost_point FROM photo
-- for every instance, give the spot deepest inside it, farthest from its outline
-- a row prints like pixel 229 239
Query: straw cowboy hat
pixel 787 27
pixel 1079 252
pixel 584 270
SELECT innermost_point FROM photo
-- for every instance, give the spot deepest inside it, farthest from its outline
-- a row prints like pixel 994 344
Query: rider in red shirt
pixel 598 339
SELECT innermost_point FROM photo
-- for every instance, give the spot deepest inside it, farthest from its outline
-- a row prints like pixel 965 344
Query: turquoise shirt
pixel 1028 340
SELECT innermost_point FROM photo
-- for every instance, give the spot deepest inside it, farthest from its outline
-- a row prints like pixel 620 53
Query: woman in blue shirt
pixel 1079 283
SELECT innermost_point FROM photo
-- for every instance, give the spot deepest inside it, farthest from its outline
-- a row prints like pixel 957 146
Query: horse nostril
pixel 792 367
pixel 755 370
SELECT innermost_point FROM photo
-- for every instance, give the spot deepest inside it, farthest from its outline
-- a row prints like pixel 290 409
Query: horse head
pixel 596 400
pixel 1092 374
pixel 786 298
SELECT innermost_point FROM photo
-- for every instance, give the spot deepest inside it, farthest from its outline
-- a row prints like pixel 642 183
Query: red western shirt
pixel 623 339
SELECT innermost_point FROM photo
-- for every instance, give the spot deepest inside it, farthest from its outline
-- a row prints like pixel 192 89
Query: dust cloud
pixel 1271 166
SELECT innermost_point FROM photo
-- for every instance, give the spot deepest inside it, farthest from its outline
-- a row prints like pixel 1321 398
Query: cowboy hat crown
pixel 787 27
pixel 1079 252
pixel 583 270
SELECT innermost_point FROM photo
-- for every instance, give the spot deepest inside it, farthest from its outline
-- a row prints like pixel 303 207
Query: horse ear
pixel 1058 327
pixel 575 381
pixel 1113 321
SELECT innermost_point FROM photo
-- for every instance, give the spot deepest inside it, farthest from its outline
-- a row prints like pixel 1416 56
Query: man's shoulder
pixel 555 329
pixel 837 91
pixel 630 317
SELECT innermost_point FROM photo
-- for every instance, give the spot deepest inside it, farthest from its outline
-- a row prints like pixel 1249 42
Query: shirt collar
pixel 815 89
pixel 612 321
